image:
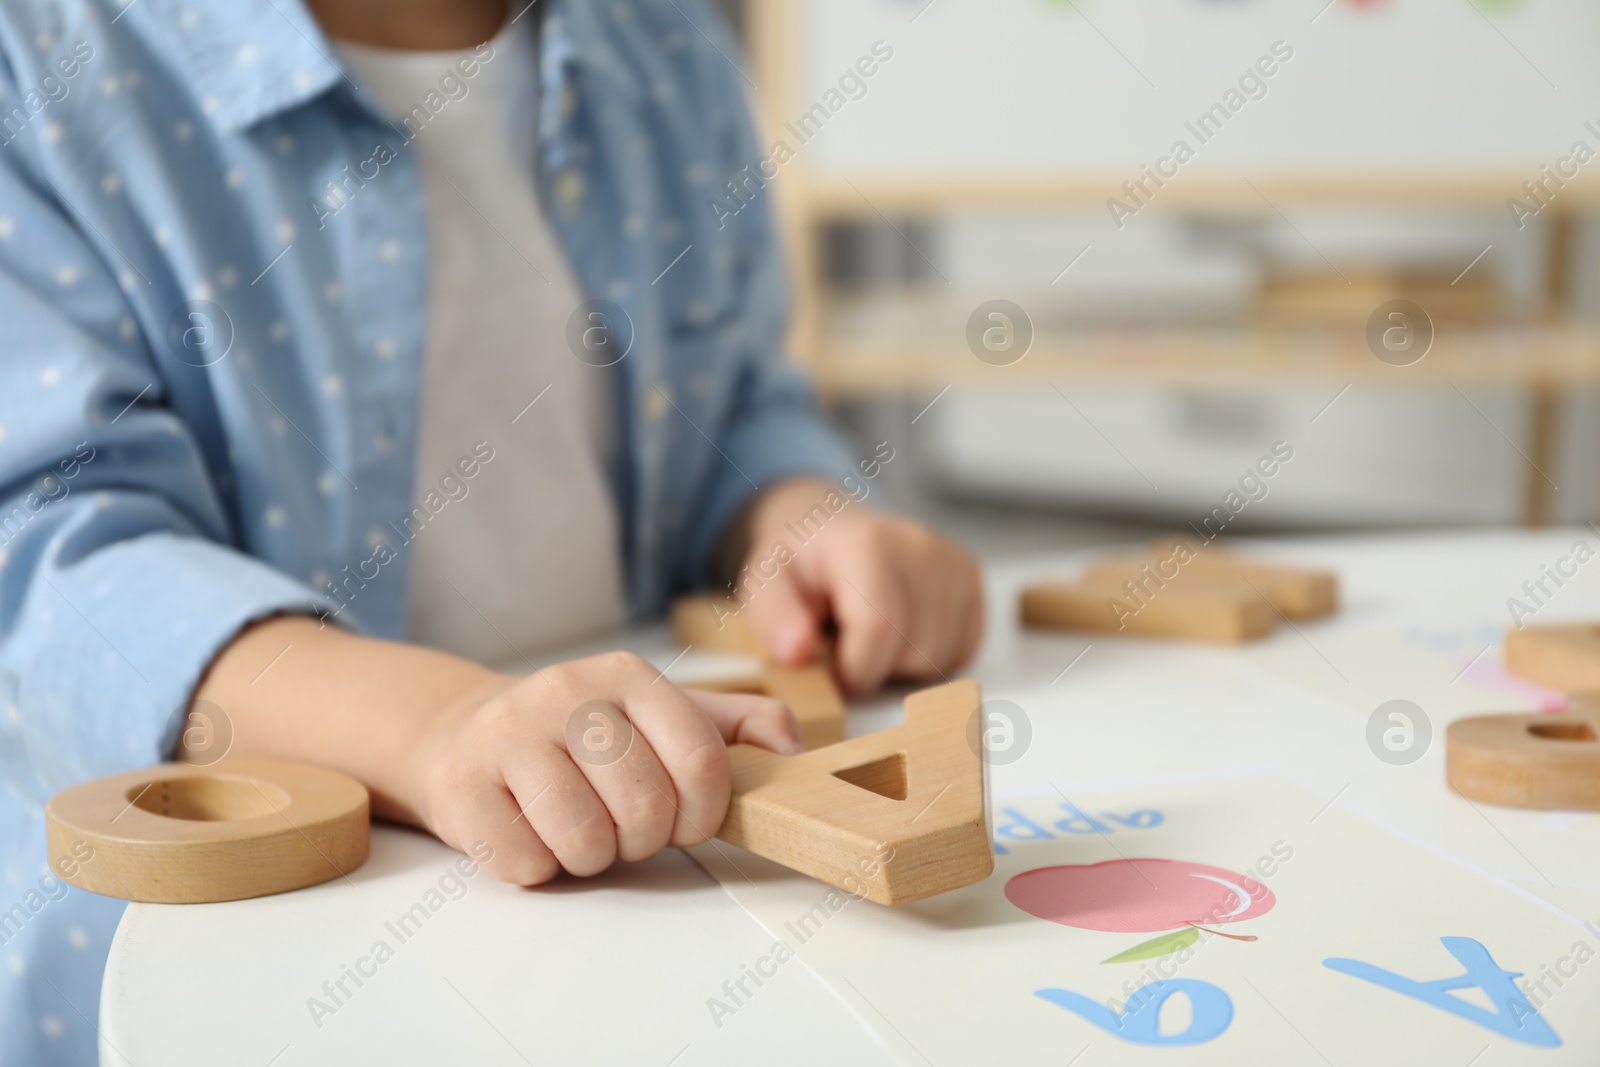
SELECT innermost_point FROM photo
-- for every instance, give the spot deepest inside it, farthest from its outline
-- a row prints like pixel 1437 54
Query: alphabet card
pixel 1206 920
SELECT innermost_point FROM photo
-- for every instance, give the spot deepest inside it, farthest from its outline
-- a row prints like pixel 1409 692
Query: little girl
pixel 347 348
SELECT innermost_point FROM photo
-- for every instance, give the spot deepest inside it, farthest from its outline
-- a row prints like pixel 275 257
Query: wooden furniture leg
pixel 1543 445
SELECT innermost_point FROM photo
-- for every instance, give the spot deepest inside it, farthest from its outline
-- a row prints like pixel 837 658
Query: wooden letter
pixel 1208 613
pixel 1298 592
pixel 1535 760
pixel 718 623
pixel 181 834
pixel 808 691
pixel 894 817
pixel 1565 657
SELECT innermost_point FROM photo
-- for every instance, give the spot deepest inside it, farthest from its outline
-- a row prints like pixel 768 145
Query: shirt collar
pixel 584 39
pixel 256 58
pixel 251 58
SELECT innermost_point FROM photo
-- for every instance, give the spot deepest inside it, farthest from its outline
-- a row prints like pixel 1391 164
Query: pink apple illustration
pixel 1142 896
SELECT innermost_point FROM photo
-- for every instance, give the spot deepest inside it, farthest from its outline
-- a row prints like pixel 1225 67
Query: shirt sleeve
pixel 773 430
pixel 118 582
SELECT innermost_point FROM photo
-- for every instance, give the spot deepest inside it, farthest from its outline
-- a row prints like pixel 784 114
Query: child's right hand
pixel 474 755
pixel 546 772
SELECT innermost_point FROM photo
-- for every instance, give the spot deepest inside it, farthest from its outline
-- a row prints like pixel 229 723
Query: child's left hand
pixel 907 601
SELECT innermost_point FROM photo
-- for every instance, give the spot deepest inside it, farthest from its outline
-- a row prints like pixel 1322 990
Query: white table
pixel 617 969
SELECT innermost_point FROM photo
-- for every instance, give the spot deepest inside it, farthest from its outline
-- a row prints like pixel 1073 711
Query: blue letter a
pixel 1515 1017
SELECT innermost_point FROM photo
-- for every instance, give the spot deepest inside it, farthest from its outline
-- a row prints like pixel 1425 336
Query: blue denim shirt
pixel 209 380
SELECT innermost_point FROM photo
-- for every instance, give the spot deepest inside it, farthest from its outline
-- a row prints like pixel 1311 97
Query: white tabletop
pixel 618 968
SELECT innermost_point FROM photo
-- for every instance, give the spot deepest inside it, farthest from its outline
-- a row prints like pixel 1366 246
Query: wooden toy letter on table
pixel 1537 760
pixel 182 834
pixel 1534 760
pixel 1181 588
pixel 902 812
pixel 1564 657
pixel 717 623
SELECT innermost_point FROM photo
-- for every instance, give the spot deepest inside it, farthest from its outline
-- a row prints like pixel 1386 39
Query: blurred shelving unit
pixel 910 339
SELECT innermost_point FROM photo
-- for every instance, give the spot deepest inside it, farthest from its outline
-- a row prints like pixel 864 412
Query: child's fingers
pixel 744 719
pixel 489 814
pixel 968 613
pixel 628 778
pixel 962 610
pixel 936 627
pixel 690 750
pixel 940 606
pixel 563 809
pixel 873 615
pixel 972 636
pixel 786 622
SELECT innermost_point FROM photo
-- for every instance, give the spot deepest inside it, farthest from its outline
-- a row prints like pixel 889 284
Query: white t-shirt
pixel 526 552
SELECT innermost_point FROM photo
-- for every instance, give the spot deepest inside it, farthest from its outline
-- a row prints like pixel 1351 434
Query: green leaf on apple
pixel 1164 945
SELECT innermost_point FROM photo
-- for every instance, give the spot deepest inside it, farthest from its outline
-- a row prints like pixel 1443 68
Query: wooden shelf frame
pixel 1545 357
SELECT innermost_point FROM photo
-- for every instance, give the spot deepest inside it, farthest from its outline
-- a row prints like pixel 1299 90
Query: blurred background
pixel 1197 222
